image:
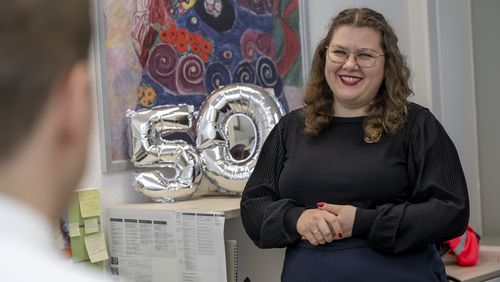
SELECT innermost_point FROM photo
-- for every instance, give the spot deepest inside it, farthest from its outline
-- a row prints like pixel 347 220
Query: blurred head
pixel 382 88
pixel 45 115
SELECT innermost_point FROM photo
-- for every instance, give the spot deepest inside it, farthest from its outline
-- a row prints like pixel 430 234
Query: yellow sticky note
pixel 96 247
pixel 89 203
pixel 91 226
pixel 74 229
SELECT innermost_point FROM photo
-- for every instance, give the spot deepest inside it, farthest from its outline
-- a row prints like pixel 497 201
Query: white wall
pixel 453 81
pixel 487 72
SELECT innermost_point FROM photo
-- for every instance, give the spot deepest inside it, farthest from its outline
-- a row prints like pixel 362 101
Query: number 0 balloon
pixel 233 124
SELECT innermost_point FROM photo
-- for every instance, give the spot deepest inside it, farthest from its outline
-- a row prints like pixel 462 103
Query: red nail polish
pixel 320 204
pixel 340 235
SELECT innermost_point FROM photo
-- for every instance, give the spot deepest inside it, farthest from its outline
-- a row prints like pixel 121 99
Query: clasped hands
pixel 326 223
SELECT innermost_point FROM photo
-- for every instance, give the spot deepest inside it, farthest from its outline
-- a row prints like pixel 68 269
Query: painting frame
pixel 98 59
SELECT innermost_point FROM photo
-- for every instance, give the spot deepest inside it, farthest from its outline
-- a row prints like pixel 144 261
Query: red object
pixel 206 46
pixel 181 45
pixel 182 32
pixel 147 43
pixel 195 49
pixel 159 11
pixel 205 57
pixel 465 248
pixel 164 35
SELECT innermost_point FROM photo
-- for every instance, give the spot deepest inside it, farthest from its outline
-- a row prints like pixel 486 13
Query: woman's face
pixel 354 87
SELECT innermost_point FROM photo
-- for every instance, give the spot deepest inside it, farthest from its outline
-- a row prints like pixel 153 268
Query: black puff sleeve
pixel 269 220
pixel 437 210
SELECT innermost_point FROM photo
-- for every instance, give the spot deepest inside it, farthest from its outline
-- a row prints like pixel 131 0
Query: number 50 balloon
pixel 233 123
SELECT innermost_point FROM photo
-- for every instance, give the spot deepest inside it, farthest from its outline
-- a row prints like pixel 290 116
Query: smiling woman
pixel 376 167
pixel 386 111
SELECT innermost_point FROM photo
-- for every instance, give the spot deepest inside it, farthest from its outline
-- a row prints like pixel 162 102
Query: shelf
pixel 228 205
pixel 488 266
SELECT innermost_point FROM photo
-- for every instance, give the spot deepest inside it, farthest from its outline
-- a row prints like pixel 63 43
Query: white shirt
pixel 27 251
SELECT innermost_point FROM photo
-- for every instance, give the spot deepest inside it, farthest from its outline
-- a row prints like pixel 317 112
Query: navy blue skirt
pixel 352 260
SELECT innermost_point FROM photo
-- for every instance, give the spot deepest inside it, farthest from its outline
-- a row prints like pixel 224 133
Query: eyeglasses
pixel 365 58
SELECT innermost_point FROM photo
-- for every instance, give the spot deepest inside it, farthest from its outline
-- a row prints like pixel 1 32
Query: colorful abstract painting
pixel 179 51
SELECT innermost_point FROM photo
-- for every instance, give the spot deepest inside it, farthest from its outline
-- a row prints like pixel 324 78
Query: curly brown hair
pixel 388 111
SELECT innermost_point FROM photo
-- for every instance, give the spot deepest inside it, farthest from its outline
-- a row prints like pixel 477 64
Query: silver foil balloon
pixel 162 138
pixel 151 129
pixel 233 124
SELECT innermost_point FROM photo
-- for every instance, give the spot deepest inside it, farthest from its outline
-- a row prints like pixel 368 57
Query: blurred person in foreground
pixel 45 117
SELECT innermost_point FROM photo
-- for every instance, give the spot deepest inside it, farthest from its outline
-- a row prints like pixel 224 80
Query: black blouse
pixel 409 188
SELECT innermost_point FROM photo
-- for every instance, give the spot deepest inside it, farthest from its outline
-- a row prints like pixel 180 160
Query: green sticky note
pixel 74 214
pixel 78 250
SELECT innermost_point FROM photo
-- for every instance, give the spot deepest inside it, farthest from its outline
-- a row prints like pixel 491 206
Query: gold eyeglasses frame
pixel 375 56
